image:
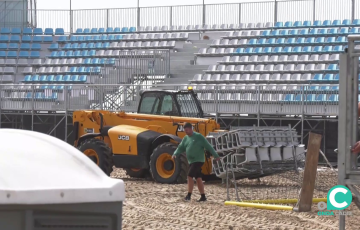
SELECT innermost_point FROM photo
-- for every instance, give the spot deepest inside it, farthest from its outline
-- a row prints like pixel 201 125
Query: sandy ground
pixel 150 205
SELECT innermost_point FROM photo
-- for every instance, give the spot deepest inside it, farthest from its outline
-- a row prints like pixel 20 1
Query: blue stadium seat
pixel 271 41
pixel 280 41
pixel 35 78
pixel 66 46
pixel 261 41
pixel 48 39
pixel 77 53
pixel 252 41
pixel 44 86
pixel 329 77
pixel 258 50
pixel 341 40
pixel 84 53
pixel 92 52
pixel 61 54
pixel 3 54
pixel 43 78
pixel 27 78
pixel 81 70
pixel 86 31
pixel 36 46
pixel 310 40
pixel 327 49
pixel 25 46
pixel 288 24
pixel 344 30
pixel 275 33
pixel 320 40
pixel 50 78
pixel 110 61
pixel 96 69
pixel 62 39
pixel 75 46
pixel 338 49
pixel 58 78
pixel 12 54
pixel 16 30
pixel 37 39
pixel 304 32
pixel 326 23
pixel 106 45
pixel 323 31
pixel 330 40
pixel 321 97
pixel 336 23
pixel 3 46
pixel 81 38
pixel 34 54
pixel 356 22
pixel 83 78
pixel 88 38
pixel 87 61
pixel 69 53
pixel 49 31
pixel 53 54
pixel 94 31
pixel 333 67
pixel 111 37
pixel 90 46
pixel 109 30
pixel 306 49
pixel 118 37
pixel 104 38
pixel 96 38
pixel 248 50
pixel 59 31
pixel 346 22
pixel 334 97
pixel 25 38
pixel 289 97
pixel 317 23
pixel 101 30
pixel 307 23
pixel 82 46
pixel 314 31
pixel 124 30
pixel 293 32
pixel 15 38
pixel 277 50
pixel 117 30
pixel 287 49
pixel 239 50
pixel 67 78
pixel 5 30
pixel 4 38
pixel 79 31
pixel 265 33
pixel 132 29
pixel 267 50
pixel 297 49
pixel 317 49
pixel 103 61
pixel 88 70
pixel 73 38
pixel 317 77
pixel 74 78
pixel 279 24
pixel 298 24
pixel 27 31
pixel 324 87
pixel 354 30
pixel 38 31
pixel 333 31
pixel 300 40
pixel 13 46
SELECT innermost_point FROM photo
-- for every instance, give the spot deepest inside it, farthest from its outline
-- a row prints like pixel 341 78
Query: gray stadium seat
pixel 293 58
pixel 23 62
pixel 220 50
pixel 229 34
pixel 239 68
pixel 244 77
pixel 253 58
pixel 230 68
pixel 63 61
pixel 306 77
pixel 319 66
pixel 275 77
pixel 269 68
pixel 324 57
pixel 229 50
pixel 2 61
pixel 264 58
pixel 9 70
pixel 236 59
pixel 233 26
pixel 295 77
pixel 10 62
pixel 235 77
pixel 269 24
pixel 255 77
pixel 225 59
pixel 264 77
pixel 334 57
pixel 80 60
pixel 242 25
pixel 283 58
pixel 304 57
pixel 314 58
pixel 164 28
pixel 259 25
pixel 279 67
pixel 300 67
pixel 274 58
pixel 28 70
pixel 290 67
pixel 259 68
pixel 173 28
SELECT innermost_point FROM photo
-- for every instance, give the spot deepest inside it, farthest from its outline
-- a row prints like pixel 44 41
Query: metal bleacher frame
pixel 348 166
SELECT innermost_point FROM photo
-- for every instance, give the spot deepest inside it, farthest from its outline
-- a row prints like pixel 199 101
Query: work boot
pixel 202 198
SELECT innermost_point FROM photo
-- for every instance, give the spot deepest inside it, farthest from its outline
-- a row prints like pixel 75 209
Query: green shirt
pixel 194 146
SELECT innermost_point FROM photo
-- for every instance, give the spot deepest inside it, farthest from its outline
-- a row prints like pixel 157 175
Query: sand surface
pixel 150 205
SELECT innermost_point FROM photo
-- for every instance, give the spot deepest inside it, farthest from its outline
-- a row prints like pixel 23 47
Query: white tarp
pixel 36 168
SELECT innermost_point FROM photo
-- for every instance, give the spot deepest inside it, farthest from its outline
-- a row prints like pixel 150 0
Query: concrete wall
pixel 13 13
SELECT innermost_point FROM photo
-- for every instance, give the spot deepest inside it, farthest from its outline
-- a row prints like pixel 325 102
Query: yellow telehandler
pixel 144 142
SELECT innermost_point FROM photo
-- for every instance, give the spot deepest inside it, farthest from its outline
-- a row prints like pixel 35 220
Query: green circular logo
pixel 338 198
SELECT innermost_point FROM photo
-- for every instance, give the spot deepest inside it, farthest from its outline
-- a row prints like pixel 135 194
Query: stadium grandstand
pixel 277 66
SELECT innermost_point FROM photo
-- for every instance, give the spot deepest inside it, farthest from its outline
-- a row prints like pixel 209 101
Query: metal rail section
pixel 270 11
pixel 348 170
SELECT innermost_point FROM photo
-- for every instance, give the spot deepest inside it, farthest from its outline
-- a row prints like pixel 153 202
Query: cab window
pixel 149 104
pixel 168 106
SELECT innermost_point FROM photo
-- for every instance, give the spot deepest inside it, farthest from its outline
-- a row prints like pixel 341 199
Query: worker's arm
pixel 181 148
pixel 209 147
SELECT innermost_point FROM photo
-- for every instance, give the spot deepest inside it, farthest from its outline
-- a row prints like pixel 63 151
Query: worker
pixel 194 144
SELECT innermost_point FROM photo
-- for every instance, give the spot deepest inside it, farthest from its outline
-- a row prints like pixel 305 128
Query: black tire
pixel 141 173
pixel 179 175
pixel 104 154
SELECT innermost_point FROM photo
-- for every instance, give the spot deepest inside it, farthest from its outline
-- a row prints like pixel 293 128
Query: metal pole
pixel 275 12
pixel 138 13
pixel 204 17
pixel 171 9
pixel 352 10
pixel 71 19
pixel 107 18
pixel 66 112
pixel 239 13
pixel 314 11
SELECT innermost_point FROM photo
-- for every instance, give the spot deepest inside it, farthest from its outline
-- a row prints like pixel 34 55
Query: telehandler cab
pixel 144 142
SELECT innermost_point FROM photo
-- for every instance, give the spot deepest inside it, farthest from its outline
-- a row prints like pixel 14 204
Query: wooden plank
pixel 311 162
